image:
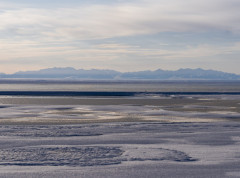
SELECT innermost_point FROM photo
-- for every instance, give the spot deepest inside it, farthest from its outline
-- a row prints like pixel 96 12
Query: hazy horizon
pixel 152 70
pixel 159 74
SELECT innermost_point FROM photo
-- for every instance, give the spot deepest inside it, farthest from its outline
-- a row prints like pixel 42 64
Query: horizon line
pixel 151 70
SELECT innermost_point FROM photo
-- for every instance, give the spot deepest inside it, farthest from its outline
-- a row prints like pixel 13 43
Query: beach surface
pixel 143 136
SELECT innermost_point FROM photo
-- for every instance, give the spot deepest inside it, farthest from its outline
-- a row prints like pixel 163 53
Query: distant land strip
pixel 69 73
pixel 105 93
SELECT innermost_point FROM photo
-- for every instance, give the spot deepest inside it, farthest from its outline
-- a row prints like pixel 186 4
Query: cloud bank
pixel 94 21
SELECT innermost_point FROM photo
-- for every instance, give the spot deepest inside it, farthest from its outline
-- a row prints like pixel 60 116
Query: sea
pixel 48 87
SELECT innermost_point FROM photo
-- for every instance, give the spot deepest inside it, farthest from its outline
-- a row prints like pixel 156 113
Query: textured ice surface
pixel 144 153
pixel 85 155
pixel 190 138
pixel 60 156
pixel 48 131
pixel 120 150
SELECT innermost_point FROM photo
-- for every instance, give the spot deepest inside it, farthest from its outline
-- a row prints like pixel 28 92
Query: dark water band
pixel 106 93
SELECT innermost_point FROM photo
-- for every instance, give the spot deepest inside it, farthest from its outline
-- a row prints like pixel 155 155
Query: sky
pixel 123 35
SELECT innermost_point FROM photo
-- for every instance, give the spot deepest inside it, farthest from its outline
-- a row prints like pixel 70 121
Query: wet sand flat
pixel 75 110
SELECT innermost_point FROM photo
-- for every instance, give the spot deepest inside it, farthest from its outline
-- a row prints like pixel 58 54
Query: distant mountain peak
pixel 159 74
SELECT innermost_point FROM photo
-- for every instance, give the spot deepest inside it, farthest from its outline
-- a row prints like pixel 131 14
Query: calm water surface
pixel 120 86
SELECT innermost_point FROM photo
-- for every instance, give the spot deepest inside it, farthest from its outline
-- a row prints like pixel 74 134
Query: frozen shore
pixel 183 136
pixel 134 149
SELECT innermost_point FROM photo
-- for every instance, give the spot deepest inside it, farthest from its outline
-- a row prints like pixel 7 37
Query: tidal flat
pixel 150 136
pixel 139 134
pixel 78 110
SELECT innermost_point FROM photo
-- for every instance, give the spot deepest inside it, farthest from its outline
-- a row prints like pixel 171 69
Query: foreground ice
pixel 134 149
pixel 75 137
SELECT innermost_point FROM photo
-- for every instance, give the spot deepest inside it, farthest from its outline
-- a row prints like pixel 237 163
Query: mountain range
pixel 72 73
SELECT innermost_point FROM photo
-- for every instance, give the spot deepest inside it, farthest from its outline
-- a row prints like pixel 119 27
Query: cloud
pixel 87 34
pixel 106 52
pixel 96 21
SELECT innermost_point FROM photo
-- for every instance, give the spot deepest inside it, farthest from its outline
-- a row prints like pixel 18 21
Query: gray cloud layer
pixel 104 21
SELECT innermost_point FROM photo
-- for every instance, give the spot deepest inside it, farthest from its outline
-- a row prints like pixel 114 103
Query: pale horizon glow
pixel 120 35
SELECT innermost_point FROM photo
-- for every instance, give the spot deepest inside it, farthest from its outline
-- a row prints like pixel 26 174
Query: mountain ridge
pixel 159 74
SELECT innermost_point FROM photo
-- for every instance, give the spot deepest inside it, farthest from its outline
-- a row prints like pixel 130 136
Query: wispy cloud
pixel 93 21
